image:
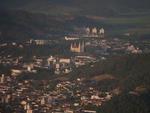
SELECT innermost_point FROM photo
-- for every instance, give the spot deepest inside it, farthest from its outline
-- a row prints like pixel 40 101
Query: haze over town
pixel 74 56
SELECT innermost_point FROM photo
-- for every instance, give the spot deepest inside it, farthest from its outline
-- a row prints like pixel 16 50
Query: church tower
pixel 77 47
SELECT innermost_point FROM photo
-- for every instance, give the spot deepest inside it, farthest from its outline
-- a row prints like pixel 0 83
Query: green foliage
pixel 5 70
pixel 129 71
pixel 125 104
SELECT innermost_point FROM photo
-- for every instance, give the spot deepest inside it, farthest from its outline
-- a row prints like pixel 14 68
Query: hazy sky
pixel 18 3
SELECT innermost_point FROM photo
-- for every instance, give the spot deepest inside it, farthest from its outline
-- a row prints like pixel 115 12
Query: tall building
pixel 101 32
pixel 88 30
pixel 2 78
pixel 57 68
pixel 95 32
pixel 77 47
pixel 51 61
pixel 42 101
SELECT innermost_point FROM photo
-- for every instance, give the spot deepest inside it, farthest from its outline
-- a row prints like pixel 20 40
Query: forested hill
pixel 23 25
pixel 128 73
pixel 79 7
pixel 24 19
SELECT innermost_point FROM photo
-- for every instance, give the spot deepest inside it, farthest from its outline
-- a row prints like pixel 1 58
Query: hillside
pixel 79 7
pixel 22 25
pixel 126 76
pixel 127 103
pixel 127 73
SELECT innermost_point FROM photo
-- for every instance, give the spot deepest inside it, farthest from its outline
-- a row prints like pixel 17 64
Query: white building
pixel 94 30
pixel 65 60
pixel 101 31
pixel 16 72
pixel 88 30
pixel 2 78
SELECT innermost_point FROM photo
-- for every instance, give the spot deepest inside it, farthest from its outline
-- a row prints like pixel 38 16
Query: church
pixel 77 47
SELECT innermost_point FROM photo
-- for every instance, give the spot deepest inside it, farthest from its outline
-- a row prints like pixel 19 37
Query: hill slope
pixel 23 25
pixel 125 72
pixel 79 7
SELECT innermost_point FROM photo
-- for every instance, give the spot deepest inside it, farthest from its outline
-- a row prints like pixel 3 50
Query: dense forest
pixel 127 103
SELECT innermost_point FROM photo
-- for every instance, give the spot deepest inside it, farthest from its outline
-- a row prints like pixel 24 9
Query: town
pixel 58 95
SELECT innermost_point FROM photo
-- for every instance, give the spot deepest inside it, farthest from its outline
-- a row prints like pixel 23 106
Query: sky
pixel 21 3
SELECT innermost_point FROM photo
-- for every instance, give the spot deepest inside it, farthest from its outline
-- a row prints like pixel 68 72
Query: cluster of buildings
pixel 133 49
pixel 60 65
pixel 9 60
pixel 24 68
pixel 112 47
pixel 65 97
pixel 102 46
pixel 39 42
pixel 56 64
pixel 83 49
pixel 95 32
pixel 66 65
pixel 92 32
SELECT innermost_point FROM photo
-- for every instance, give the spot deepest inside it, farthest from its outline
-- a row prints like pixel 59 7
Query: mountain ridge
pixel 79 7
